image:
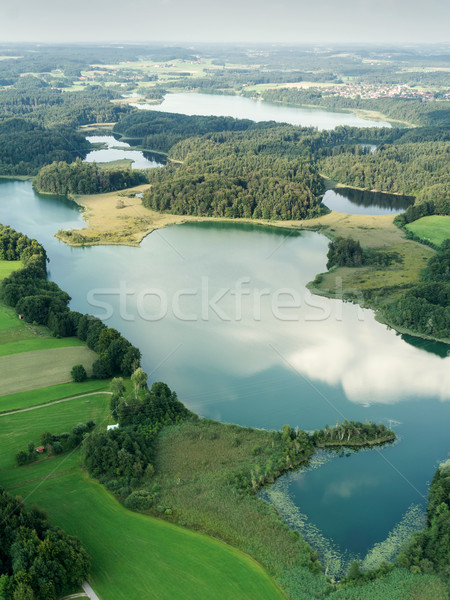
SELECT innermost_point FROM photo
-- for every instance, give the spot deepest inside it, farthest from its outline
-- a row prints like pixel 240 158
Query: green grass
pixel 8 266
pixel 136 556
pixel 18 336
pixel 434 229
pixel 40 368
pixel 195 463
pixel 133 556
pixel 35 343
pixel 50 394
pixel 20 429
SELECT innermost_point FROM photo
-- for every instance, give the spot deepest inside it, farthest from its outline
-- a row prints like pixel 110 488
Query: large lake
pixel 257 110
pixel 221 313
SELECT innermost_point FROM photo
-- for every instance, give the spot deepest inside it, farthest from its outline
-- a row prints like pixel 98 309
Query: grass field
pixel 434 229
pixel 18 336
pixel 52 393
pixel 40 368
pixel 19 429
pixel 8 266
pixel 34 343
pixel 133 556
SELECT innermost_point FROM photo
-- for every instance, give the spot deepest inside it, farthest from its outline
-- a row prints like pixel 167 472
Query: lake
pixel 362 202
pixel 113 151
pixel 221 313
pixel 257 110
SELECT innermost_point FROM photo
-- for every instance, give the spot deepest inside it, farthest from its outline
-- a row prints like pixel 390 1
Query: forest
pixel 123 458
pixel 26 146
pixel 66 179
pixel 425 308
pixel 50 106
pixel 43 302
pixel 160 130
pixel 37 561
pixel 347 252
pixel 416 169
pixel 235 175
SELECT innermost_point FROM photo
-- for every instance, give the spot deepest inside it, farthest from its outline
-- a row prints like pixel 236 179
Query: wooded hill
pixel 235 175
pixel 84 178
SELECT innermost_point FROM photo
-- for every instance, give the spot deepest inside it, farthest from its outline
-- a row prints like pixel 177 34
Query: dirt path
pixel 21 410
pixel 89 591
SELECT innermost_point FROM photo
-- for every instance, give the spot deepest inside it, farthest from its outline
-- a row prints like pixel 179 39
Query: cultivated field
pixel 39 368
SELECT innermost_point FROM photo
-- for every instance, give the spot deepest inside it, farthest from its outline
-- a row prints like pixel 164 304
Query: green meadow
pixel 133 556
pixel 52 393
pixel 8 266
pixel 434 229
pixel 17 430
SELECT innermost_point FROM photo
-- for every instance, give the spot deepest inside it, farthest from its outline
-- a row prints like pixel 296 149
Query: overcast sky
pixel 292 21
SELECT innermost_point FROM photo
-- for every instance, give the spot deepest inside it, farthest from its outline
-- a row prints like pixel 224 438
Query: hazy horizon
pixel 374 22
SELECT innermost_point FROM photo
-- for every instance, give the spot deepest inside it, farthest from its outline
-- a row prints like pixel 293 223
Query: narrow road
pixel 89 591
pixel 21 410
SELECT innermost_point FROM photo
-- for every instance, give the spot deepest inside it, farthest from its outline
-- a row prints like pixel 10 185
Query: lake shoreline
pixel 148 221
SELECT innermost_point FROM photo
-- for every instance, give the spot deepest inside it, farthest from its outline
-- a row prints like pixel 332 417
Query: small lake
pixel 244 341
pixel 256 110
pixel 114 151
pixel 362 202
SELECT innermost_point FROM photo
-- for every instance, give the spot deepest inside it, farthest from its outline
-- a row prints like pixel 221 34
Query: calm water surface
pixel 362 202
pixel 257 110
pixel 221 313
pixel 141 160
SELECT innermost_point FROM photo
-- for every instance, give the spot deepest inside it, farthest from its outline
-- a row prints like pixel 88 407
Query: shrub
pixel 139 500
pixel 78 373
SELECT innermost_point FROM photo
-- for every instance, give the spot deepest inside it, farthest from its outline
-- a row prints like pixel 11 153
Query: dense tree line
pixel 439 205
pixel 410 168
pixel 41 301
pixel 426 307
pixel 429 550
pixel 160 130
pixel 235 175
pixel 51 106
pixel 229 79
pixel 26 146
pixel 17 246
pixel 37 561
pixel 122 458
pixel 84 178
pixel 347 252
pixel 352 432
